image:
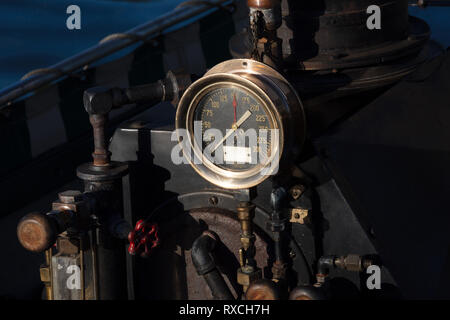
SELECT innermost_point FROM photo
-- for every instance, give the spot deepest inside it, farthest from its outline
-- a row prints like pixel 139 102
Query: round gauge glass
pixel 236 129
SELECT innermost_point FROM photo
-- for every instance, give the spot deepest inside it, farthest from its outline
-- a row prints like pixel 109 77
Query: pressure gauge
pixel 239 123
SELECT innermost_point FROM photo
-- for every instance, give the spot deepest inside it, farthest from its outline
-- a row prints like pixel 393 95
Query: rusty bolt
pixel 213 201
pixel 70 196
pixel 279 270
pixel 296 191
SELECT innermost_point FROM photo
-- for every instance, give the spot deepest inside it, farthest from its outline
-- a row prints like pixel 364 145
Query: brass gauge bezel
pixel 275 95
pixel 224 176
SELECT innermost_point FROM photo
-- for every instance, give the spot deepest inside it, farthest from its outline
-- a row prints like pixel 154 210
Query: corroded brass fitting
pixel 279 270
pixel 246 213
pixel 246 277
pixel 248 272
pixel 265 19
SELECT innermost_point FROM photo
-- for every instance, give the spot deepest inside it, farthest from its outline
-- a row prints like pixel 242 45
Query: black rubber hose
pixel 203 261
pixel 219 288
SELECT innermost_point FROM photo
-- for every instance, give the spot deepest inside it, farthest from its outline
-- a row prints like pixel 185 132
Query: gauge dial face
pixel 235 125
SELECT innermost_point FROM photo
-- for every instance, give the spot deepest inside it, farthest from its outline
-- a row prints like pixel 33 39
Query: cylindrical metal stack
pixel 333 27
pixel 338 34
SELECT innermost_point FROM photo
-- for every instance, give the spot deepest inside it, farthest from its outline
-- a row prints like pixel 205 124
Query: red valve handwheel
pixel 143 239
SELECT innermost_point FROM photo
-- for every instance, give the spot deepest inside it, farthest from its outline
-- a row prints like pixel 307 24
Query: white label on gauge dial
pixel 233 154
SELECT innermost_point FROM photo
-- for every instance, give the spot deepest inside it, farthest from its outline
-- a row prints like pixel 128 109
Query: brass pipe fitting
pixel 46 274
pixel 246 213
pixel 248 272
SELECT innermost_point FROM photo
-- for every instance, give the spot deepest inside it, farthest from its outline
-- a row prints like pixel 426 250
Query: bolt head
pixel 213 200
pixel 297 191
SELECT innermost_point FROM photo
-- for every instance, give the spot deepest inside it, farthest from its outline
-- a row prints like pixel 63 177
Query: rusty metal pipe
pixel 101 155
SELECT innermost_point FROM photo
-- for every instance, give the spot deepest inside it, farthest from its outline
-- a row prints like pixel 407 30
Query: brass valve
pixel 248 272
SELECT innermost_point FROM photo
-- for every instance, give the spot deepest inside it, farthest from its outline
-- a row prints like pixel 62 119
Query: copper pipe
pixel 101 154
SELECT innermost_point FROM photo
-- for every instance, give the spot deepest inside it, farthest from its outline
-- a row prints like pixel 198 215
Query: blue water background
pixel 33 33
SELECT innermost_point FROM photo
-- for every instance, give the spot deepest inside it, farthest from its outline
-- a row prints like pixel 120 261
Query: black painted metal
pixel 161 188
pixel 391 162
pixel 333 34
pixel 332 27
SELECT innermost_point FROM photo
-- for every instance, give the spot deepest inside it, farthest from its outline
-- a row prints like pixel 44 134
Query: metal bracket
pixel 298 215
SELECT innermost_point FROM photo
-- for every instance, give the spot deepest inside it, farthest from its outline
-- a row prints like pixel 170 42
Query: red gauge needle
pixel 235 108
